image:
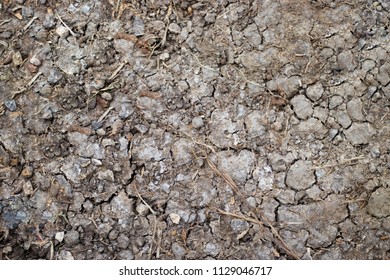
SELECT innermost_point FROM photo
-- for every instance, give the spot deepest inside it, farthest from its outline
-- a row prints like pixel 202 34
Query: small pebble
pixel 101 132
pixel 96 125
pixel 175 218
pixel 142 209
pixel 197 122
pixel 10 105
pixel 107 96
pixel 59 236
pixel 62 31
pixel 27 172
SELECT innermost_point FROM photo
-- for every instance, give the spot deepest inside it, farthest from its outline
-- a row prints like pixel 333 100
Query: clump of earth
pixel 194 129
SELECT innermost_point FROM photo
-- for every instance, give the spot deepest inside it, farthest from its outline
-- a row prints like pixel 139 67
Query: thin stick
pixel 223 175
pixel 239 217
pixel 247 80
pixel 339 163
pixel 144 202
pixel 105 114
pixel 115 73
pixel 66 26
pixel 29 23
pixel 268 223
pixel 198 61
pixel 30 83
pixel 155 222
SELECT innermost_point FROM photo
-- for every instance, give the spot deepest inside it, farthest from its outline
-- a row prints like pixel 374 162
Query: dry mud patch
pixel 194 129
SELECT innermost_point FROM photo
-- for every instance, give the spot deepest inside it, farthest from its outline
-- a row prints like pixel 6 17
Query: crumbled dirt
pixel 231 129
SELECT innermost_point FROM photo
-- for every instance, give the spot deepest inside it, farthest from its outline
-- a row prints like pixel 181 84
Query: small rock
pixel 384 74
pixel 17 59
pixel 335 101
pixel 27 172
pixel 142 209
pixel 28 188
pixel 62 31
pixel 355 109
pixel 211 249
pixel 54 76
pixel 178 250
pixel 302 106
pixel 239 225
pixel 197 122
pixel 300 176
pixel 343 118
pixel 59 236
pixel 65 255
pixel 138 26
pixel 174 28
pixel 101 132
pixel 10 105
pixel 123 241
pixel 359 133
pixel 346 61
pixel 164 56
pixel 72 238
pixel 378 204
pixel 107 96
pixel 126 255
pixel 175 218
pixel 181 151
pixel 107 175
pixel 315 92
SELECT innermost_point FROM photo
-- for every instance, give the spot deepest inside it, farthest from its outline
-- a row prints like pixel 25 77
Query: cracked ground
pixel 194 129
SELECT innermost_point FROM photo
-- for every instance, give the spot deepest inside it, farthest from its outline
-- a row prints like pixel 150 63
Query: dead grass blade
pixel 267 223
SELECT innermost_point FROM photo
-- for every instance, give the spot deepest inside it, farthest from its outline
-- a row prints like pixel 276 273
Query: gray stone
pixel 302 106
pixel 71 238
pixel 147 150
pixel 122 205
pixel 343 118
pixel 346 61
pixel 106 175
pixel 355 109
pixel 384 74
pixel 286 196
pixel 174 28
pixel 54 76
pixel 197 122
pixel 181 151
pixel 142 209
pixel 178 250
pixel 254 124
pixel 126 255
pixel 313 127
pixel 65 255
pixel 10 105
pixel 222 129
pixel 315 92
pixel 69 60
pixel 265 177
pixel 239 225
pixel 138 26
pixel 335 101
pixel 359 133
pixel 378 204
pixel 300 176
pixel 211 249
pixel 322 237
pixel 123 241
